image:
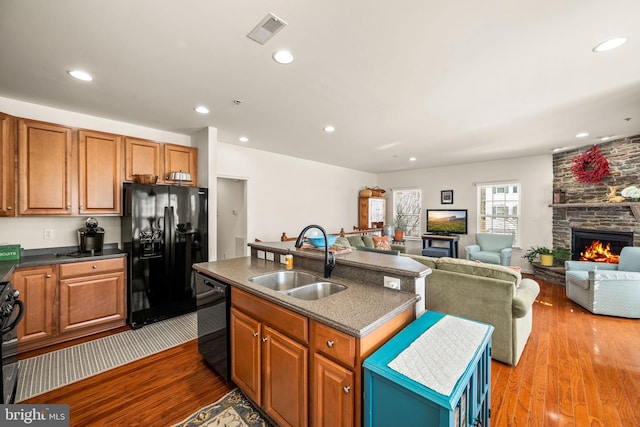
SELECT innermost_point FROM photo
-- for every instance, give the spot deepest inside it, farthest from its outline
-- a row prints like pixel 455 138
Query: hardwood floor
pixel 577 369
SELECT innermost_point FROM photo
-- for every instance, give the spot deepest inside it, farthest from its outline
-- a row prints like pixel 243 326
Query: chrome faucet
pixel 329 265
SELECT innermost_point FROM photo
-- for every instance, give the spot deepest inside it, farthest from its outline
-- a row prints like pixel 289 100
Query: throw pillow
pixel 368 241
pixel 355 241
pixel 381 242
pixel 342 242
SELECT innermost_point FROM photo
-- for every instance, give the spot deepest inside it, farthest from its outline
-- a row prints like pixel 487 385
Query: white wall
pixel 535 174
pixel 285 194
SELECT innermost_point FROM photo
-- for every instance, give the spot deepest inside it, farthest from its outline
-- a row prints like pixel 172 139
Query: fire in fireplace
pixel 597 252
pixel 599 245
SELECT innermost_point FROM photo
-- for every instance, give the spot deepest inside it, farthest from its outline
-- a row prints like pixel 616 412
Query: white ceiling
pixel 448 82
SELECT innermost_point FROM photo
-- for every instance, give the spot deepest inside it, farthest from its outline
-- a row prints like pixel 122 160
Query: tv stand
pixel 427 240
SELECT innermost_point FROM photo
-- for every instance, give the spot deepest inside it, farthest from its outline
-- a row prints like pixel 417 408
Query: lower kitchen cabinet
pixel 37 287
pixel 301 371
pixel 333 392
pixel 92 294
pixel 285 378
pixel 68 301
pixel 269 366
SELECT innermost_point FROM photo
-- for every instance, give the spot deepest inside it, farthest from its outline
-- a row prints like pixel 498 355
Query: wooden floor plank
pixel 577 369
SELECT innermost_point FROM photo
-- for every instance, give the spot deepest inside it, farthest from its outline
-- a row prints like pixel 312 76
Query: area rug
pixel 234 409
pixel 58 368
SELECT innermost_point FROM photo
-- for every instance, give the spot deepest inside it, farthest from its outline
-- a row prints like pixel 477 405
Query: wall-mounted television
pixel 447 221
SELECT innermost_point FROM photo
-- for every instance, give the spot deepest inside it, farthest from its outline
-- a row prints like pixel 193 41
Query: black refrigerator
pixel 164 232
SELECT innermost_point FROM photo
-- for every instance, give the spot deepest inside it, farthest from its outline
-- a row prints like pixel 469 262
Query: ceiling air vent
pixel 266 29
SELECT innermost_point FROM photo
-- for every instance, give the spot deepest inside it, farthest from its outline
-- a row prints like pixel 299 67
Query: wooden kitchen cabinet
pixel 8 165
pixel 46 168
pixel 246 369
pixel 143 157
pixel 269 357
pixel 333 393
pixel 180 158
pixel 371 212
pixel 38 291
pixel 92 296
pixel 100 173
pixel 68 301
pixel 336 367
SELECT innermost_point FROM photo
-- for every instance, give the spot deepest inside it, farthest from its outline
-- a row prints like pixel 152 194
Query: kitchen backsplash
pixel 30 232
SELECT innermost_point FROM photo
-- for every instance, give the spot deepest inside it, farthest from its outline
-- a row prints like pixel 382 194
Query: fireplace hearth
pixel 598 245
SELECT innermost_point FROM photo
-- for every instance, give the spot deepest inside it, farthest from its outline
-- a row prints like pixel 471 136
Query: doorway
pixel 231 218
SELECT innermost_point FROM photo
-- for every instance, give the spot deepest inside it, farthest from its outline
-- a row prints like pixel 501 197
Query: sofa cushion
pixel 368 241
pixel 381 242
pixel 479 269
pixel 356 240
pixel 342 242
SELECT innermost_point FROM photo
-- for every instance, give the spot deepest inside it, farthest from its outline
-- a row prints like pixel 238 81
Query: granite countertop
pixel 48 256
pixel 358 310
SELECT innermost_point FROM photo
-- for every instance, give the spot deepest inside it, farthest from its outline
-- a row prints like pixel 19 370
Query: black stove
pixel 11 312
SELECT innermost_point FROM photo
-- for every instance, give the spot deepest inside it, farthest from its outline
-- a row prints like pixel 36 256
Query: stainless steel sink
pixel 316 290
pixel 284 280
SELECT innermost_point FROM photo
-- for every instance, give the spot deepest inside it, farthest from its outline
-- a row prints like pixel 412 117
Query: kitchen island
pixel 301 360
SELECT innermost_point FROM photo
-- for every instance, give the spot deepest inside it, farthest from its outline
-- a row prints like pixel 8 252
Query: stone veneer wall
pixel 624 166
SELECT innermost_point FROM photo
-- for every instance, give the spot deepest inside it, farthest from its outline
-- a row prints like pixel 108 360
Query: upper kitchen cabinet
pixel 142 158
pixel 45 168
pixel 8 165
pixel 100 173
pixel 180 158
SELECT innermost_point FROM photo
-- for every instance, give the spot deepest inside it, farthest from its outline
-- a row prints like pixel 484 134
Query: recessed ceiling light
pixel 329 129
pixel 283 57
pixel 80 75
pixel 558 149
pixel 605 138
pixel 201 109
pixel 610 44
pixel 582 134
pixel 412 159
pixel 243 139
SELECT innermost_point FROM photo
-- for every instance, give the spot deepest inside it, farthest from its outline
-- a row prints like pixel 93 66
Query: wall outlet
pixel 391 282
pixel 270 256
pixel 47 233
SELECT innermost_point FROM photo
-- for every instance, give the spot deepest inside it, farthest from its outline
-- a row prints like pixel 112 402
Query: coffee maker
pixel 90 237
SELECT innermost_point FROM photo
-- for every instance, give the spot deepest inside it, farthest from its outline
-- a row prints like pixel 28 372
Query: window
pixel 408 203
pixel 498 207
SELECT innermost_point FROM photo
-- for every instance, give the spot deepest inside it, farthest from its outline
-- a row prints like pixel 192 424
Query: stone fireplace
pixel 586 209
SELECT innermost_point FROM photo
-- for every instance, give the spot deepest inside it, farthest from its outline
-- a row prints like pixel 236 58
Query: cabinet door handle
pixel 9 208
pixel 95 267
pixel 255 334
pixel 330 343
pixel 264 339
pixel 48 276
pixel 346 389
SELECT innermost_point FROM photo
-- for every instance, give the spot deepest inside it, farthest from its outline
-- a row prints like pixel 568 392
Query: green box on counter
pixel 9 252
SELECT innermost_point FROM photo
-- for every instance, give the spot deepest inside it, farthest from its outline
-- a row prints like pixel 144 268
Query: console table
pixel 427 240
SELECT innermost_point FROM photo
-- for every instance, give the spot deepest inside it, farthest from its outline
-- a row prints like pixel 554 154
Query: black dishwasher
pixel 213 304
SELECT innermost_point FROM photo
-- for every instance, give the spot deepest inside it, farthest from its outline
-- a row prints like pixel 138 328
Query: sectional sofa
pixel 487 293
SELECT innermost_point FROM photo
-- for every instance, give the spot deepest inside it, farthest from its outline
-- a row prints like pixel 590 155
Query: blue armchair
pixel 609 289
pixel 491 248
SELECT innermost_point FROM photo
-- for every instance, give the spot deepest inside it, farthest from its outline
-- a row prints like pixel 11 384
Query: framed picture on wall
pixel 446 197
